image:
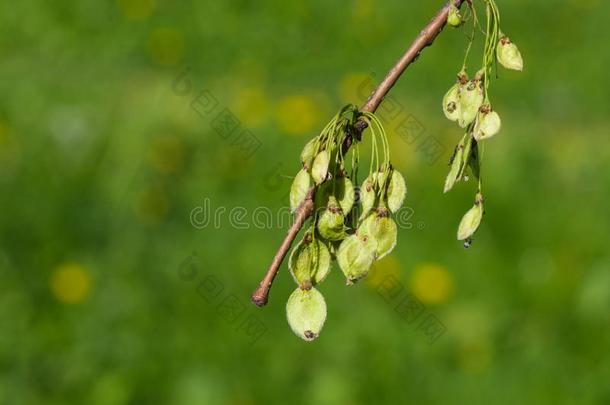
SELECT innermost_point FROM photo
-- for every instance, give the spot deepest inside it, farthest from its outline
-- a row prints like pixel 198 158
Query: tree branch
pixel 304 211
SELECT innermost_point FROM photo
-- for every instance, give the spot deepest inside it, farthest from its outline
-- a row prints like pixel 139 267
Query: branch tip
pixel 304 211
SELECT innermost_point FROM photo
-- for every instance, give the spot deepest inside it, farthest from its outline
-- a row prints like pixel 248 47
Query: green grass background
pixel 102 163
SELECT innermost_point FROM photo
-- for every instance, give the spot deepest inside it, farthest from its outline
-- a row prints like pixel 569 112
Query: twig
pixel 304 211
pixel 259 297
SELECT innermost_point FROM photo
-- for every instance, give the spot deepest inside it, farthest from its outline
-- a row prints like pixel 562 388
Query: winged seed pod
pixel 308 153
pixel 309 262
pixel 457 163
pixel 355 258
pixel 331 223
pixel 487 125
pixel 343 191
pixel 381 232
pixel 397 190
pixel 298 190
pixel 471 220
pixel 508 54
pixel 454 18
pixel 356 237
pixel 306 313
pixel 470 99
pixel 319 169
pixel 451 103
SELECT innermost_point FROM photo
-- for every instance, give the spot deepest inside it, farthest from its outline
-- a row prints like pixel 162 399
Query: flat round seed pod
pixel 508 54
pixel 342 189
pixel 308 154
pixel 309 262
pixel 331 223
pixel 300 187
pixel 471 220
pixel 488 124
pixel 457 164
pixel 381 232
pixel 319 168
pixel 397 190
pixel 470 99
pixel 355 258
pixel 383 176
pixel 306 313
pixel 451 103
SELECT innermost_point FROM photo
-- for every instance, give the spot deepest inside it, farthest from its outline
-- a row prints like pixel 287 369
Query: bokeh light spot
pixel 137 9
pixel 297 114
pixel 432 283
pixel 387 267
pixel 70 283
pixel 354 87
pixel 252 107
pixel 166 46
pixel 363 9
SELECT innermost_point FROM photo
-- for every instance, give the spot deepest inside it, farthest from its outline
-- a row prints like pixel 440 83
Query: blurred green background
pixel 113 290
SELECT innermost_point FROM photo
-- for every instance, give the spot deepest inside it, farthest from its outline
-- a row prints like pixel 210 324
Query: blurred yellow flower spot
pixel 166 154
pixel 297 114
pixel 70 283
pixel 136 9
pixel 363 9
pixel 251 106
pixel 431 283
pixel 166 46
pixel 408 158
pixel 387 267
pixel 151 206
pixel 355 87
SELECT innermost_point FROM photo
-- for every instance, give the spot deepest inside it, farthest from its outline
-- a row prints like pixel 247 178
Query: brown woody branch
pixel 304 211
